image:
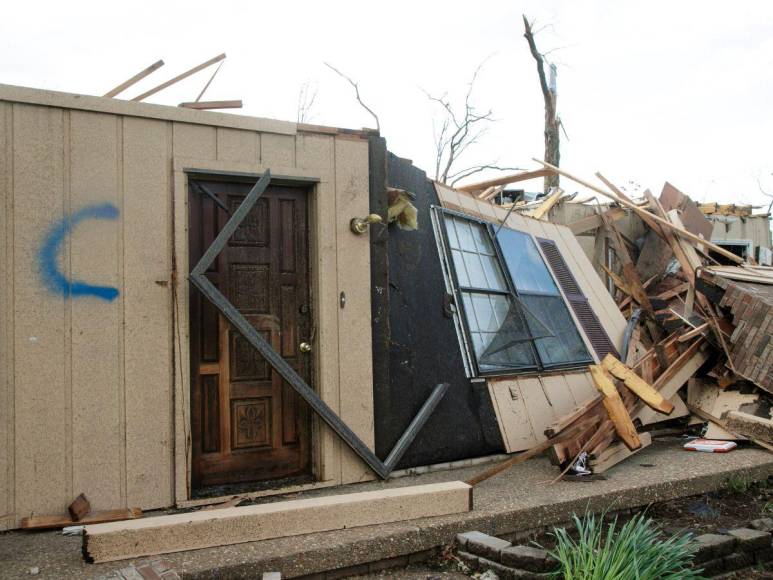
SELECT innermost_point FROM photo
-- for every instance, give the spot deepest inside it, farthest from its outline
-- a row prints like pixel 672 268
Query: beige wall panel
pixel 194 141
pixel 581 385
pixel 277 150
pixel 512 414
pixel 41 406
pixel 147 312
pixel 558 393
pixel 541 412
pixel 6 318
pixel 354 337
pixel 317 154
pixel 97 329
pixel 235 145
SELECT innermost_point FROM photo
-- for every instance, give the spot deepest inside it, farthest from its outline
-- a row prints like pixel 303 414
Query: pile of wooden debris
pixel 697 346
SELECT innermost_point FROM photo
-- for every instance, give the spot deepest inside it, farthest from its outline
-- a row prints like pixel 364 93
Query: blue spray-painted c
pixel 48 256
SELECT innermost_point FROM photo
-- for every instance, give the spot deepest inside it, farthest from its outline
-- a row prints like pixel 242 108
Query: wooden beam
pixel 547 204
pixel 54 522
pixel 221 527
pixel 594 221
pixel 750 426
pixel 615 407
pixel 644 214
pixel 717 421
pixel 135 79
pixel 79 508
pixel 179 77
pixel 204 105
pixel 617 453
pixel 634 382
pixel 694 332
pixel 506 180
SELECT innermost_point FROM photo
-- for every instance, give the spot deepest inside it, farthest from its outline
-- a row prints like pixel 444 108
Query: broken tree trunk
pixel 550 95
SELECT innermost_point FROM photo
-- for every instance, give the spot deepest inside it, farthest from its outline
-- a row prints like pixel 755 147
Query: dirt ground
pixel 735 506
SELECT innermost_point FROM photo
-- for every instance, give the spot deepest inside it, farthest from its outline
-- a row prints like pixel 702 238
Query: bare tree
pixel 356 93
pixel 550 95
pixel 306 97
pixel 459 130
pixel 765 193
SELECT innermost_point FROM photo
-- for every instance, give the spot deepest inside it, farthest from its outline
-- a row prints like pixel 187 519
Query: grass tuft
pixel 637 550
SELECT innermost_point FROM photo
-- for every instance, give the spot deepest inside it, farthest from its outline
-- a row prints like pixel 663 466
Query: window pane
pixel 500 338
pixel 475 270
pixel 566 346
pixel 453 240
pixel 461 269
pixel 493 273
pixel 466 241
pixel 527 268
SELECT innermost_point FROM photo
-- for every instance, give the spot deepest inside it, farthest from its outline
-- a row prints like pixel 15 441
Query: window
pixel 514 316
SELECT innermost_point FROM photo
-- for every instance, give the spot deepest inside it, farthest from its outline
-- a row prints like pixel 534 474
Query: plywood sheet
pixel 6 317
pixel 147 294
pixel 97 333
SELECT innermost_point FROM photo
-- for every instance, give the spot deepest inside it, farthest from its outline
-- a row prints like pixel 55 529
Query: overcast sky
pixel 648 91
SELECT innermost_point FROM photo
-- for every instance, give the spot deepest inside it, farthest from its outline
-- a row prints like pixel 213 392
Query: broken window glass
pixel 521 325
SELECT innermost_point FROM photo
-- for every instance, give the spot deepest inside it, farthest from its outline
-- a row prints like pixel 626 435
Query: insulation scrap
pixel 401 209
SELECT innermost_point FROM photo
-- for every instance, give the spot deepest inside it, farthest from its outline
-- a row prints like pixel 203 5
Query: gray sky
pixel 648 91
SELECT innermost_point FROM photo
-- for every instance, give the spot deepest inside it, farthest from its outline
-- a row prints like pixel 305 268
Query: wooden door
pixel 247 424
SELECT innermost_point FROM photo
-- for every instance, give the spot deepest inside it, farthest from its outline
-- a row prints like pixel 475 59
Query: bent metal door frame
pixel 199 280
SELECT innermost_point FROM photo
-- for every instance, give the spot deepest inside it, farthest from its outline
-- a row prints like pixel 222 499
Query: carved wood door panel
pixel 247 423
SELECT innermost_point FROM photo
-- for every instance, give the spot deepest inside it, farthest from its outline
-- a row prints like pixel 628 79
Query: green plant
pixel 739 484
pixel 637 550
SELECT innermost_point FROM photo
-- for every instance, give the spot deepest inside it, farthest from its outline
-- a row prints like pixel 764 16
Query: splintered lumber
pixel 595 221
pixel 205 105
pixel 694 332
pixel 716 420
pixel 179 77
pixel 79 508
pixel 547 204
pixel 750 426
pixel 634 382
pixel 644 214
pixel 506 180
pixel 54 522
pixel 135 79
pixel 236 525
pixel 615 407
pixel 616 453
pixel 672 379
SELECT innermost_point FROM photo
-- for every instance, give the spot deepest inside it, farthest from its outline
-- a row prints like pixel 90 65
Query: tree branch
pixel 356 93
pixel 459 175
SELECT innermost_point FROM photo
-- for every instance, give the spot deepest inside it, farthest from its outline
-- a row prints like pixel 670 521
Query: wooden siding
pixel 93 387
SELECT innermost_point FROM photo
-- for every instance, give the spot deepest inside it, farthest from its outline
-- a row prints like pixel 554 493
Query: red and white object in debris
pixel 710 446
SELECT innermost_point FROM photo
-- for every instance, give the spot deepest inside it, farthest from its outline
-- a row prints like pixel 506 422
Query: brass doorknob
pixel 304 347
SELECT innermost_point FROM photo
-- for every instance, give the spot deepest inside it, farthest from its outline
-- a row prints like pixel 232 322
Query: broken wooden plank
pixel 708 417
pixel 134 80
pixel 205 529
pixel 54 522
pixel 206 105
pixel 592 222
pixel 614 406
pixel 694 332
pixel 547 204
pixel 79 507
pixel 506 180
pixel 667 224
pixel 750 426
pixel 179 77
pixel 616 453
pixel 634 382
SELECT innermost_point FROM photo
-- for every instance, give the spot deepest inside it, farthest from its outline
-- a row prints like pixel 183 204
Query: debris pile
pixel 697 346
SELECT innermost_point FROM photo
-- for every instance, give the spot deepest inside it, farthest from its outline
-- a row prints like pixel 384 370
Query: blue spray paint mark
pixel 53 278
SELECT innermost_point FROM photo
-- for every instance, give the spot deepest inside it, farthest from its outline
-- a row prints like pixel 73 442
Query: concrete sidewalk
pixel 516 501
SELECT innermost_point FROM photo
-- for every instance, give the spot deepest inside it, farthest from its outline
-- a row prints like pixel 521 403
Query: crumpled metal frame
pixel 198 278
